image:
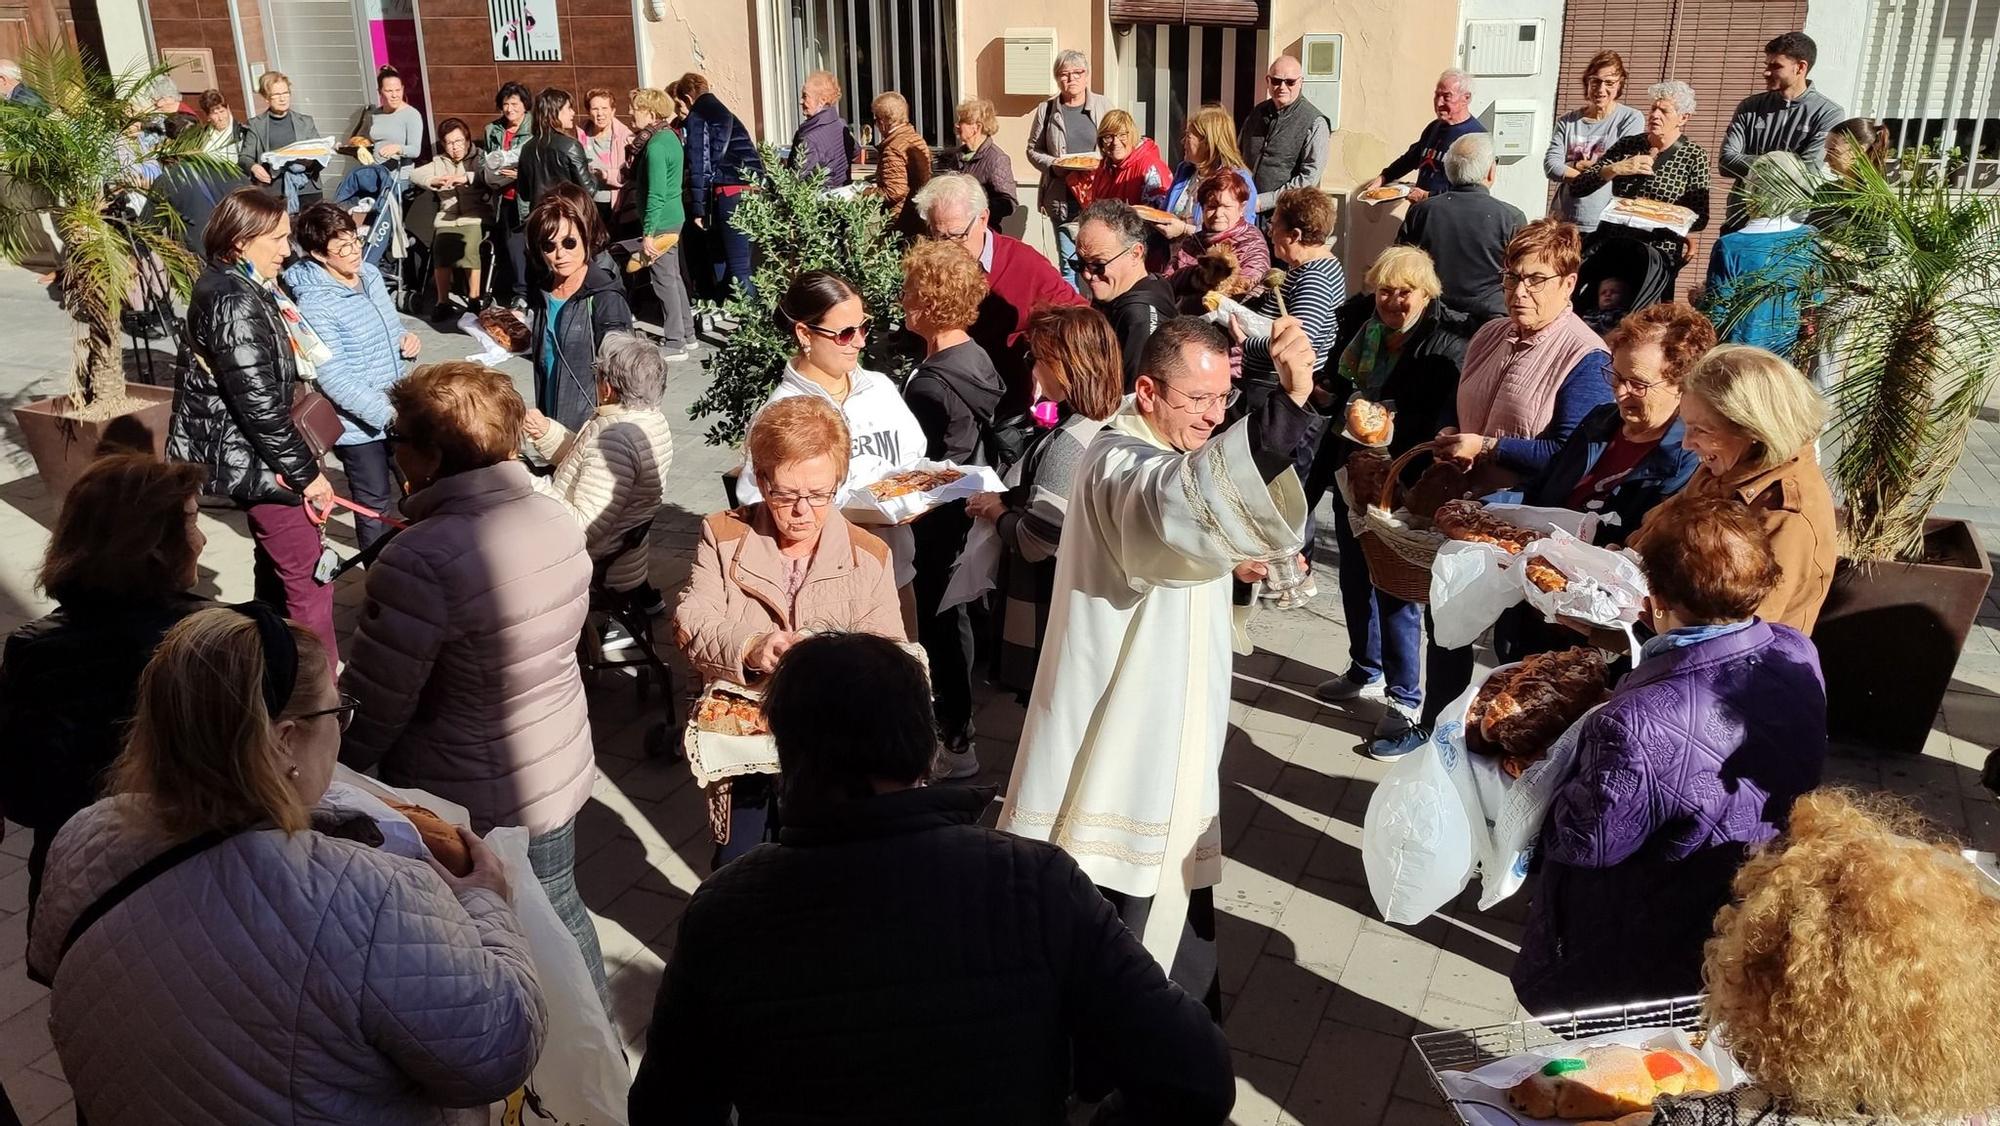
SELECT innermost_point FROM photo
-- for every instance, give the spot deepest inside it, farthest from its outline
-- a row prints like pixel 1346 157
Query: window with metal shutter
pixel 1171 70
pixel 1715 46
pixel 1215 13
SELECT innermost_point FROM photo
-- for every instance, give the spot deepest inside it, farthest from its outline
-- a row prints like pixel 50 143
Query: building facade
pixel 1927 66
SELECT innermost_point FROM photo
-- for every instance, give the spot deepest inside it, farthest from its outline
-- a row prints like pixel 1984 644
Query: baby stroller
pixel 375 196
pixel 1643 270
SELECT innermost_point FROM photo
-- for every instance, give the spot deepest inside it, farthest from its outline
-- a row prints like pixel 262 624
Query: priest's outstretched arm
pixel 1182 519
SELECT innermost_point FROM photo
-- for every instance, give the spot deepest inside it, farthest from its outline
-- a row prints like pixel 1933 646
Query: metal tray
pixel 1466 1049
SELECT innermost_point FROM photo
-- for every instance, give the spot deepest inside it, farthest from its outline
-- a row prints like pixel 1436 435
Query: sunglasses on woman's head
pixel 569 242
pixel 845 337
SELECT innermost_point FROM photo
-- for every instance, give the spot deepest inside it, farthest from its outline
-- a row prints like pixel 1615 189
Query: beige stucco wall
pixel 1394 51
pixel 717 39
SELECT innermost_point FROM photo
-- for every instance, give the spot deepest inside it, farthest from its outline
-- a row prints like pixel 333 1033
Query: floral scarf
pixel 1369 358
pixel 308 350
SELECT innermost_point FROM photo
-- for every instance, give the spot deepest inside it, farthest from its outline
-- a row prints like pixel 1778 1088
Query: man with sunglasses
pixel 1111 263
pixel 1284 138
pixel 1121 752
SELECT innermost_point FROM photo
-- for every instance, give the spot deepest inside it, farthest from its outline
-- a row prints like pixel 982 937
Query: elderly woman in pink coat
pixel 463 664
pixel 767 574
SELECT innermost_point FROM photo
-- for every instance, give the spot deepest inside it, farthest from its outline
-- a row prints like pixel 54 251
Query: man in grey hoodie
pixel 1789 116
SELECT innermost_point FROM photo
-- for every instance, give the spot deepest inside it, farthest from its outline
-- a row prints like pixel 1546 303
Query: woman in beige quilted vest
pixel 269 970
pixel 611 474
pixel 768 574
pixel 463 658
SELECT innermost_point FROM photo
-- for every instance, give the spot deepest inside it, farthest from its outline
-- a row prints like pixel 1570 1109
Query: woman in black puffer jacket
pixel 553 155
pixel 233 404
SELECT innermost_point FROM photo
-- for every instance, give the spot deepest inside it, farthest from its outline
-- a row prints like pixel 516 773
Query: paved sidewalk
pixel 1320 995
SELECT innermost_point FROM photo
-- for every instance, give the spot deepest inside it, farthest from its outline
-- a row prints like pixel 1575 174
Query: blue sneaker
pixel 1396 735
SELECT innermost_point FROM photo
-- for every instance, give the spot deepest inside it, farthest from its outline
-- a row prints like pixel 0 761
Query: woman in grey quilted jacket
pixel 464 657
pixel 273 971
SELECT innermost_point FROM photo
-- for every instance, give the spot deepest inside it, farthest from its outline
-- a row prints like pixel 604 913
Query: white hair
pixel 634 368
pixel 1070 58
pixel 1458 77
pixel 1469 160
pixel 950 187
pixel 1672 90
pixel 10 70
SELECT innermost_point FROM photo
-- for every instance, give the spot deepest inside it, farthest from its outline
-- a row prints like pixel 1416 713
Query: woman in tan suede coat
pixel 767 574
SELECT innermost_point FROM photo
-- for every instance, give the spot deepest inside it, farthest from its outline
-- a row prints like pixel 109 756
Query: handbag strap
pixel 141 876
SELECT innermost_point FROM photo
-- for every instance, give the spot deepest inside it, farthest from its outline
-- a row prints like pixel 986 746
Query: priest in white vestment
pixel 1120 756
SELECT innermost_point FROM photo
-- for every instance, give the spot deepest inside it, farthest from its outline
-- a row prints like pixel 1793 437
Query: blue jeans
pixel 1065 250
pixel 1384 633
pixel 553 857
pixel 731 247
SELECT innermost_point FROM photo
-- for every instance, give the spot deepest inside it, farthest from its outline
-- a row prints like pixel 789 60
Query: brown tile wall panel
pixel 462 75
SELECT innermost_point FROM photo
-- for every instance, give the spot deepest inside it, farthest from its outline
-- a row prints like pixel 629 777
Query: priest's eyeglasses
pixel 1203 402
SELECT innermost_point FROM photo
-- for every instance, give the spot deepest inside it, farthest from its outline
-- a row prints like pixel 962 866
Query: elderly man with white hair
pixel 1065 125
pixel 1451 101
pixel 15 90
pixel 954 206
pixel 1465 230
pixel 611 473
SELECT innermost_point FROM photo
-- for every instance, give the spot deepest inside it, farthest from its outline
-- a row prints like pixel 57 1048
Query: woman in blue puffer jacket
pixel 344 300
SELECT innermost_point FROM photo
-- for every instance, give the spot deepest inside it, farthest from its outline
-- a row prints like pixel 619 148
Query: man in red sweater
pixel 1019 280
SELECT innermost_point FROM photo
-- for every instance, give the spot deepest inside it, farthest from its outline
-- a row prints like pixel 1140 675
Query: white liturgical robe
pixel 1121 751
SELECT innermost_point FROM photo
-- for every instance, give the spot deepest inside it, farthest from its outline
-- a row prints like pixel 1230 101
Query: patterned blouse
pixel 1680 175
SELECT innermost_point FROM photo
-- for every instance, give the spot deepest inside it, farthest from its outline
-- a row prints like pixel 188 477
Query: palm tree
pixel 1902 284
pixel 77 160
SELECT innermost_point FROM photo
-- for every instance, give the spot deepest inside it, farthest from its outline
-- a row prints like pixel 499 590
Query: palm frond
pixel 76 162
pixel 1902 280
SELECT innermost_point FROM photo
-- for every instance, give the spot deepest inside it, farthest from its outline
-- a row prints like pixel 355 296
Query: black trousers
pixel 1447 673
pixel 510 259
pixel 371 481
pixel 945 635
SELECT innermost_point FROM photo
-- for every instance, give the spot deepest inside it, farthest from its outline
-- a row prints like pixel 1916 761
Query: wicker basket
pixel 1399 557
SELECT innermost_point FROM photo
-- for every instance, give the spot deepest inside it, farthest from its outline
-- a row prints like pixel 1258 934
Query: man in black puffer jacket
pixel 887 962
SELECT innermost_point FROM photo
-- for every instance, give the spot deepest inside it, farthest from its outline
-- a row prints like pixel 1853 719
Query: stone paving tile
pixel 1320 995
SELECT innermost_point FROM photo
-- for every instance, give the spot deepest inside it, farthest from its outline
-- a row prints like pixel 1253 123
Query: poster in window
pixel 524 29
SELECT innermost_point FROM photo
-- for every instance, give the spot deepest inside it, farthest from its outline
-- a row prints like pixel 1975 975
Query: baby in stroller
pixel 1614 300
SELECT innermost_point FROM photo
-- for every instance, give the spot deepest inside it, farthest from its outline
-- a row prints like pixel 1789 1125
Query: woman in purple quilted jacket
pixel 1697 756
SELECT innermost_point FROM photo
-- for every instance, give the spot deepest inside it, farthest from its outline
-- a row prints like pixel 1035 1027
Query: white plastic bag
pixel 1513 810
pixel 978 566
pixel 582 1076
pixel 1416 845
pixel 1605 587
pixel 1472 584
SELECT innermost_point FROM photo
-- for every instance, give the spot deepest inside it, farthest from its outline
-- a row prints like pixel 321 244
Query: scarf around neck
pixel 1368 359
pixel 1511 377
pixel 308 350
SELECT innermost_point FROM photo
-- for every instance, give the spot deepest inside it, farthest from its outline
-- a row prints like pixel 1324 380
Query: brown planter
pixel 1890 635
pixel 62 446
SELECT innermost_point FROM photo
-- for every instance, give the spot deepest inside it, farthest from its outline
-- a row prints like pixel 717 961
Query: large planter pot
pixel 1890 635
pixel 63 445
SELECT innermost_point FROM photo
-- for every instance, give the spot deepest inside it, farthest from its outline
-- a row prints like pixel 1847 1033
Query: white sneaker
pixel 1342 689
pixel 955 764
pixel 616 639
pixel 675 356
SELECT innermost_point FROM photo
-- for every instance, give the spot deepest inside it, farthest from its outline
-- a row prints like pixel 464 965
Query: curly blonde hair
pixel 1854 972
pixel 942 285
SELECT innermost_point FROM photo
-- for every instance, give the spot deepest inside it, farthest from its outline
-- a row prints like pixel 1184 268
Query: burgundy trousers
pixel 287 549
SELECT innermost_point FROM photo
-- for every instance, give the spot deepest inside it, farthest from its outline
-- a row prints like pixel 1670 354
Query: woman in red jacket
pixel 1133 169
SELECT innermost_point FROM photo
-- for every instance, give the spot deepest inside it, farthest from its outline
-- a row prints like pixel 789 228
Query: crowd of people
pixel 1165 413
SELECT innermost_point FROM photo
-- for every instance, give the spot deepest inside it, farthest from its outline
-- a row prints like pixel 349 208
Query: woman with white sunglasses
pixel 823 314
